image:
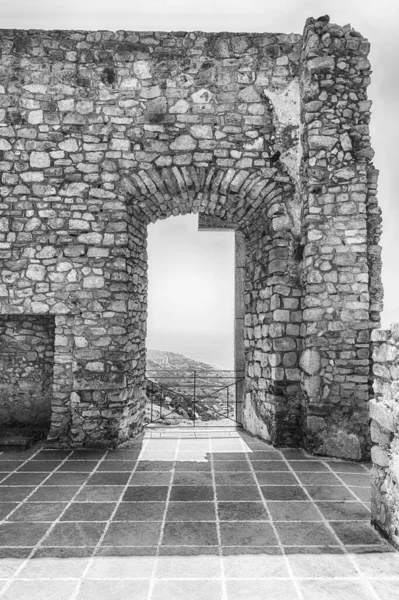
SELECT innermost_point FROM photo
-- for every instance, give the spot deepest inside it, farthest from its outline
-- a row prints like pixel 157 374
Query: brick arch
pixel 236 195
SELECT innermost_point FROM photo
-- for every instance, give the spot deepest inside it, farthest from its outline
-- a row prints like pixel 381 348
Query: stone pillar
pixel 384 413
pixel 338 187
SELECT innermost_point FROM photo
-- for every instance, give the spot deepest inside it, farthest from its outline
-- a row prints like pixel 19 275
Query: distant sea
pixel 215 349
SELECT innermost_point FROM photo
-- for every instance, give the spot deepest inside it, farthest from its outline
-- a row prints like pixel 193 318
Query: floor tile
pixel 88 454
pixel 39 590
pixel 269 465
pixel 355 532
pixel 190 534
pixel 67 479
pixel 54 494
pixel 254 566
pixel 265 455
pixel 331 589
pixel 315 478
pixel 86 511
pixel 191 493
pixel 126 551
pixel 132 534
pixel 275 492
pixel 104 478
pixel 234 478
pixel 40 511
pixel 113 590
pixel 247 589
pixel 229 493
pixel 344 511
pixel 122 466
pixel 153 465
pixel 313 563
pixel 8 566
pixel 356 479
pixel 305 534
pixel 78 466
pixel 6 508
pixel 99 493
pixel 181 567
pixel 363 493
pixel 151 478
pixel 54 568
pixel 192 466
pixel 378 564
pixel 39 465
pixel 140 511
pixel 74 534
pixel 293 511
pixel 189 550
pixel 121 567
pixel 182 590
pixel 386 590
pixel 194 478
pixel 272 478
pixel 24 479
pixel 308 465
pixel 247 534
pixel 9 465
pixel 291 454
pixel 329 492
pixel 345 467
pixel 15 494
pixel 191 511
pixel 231 465
pixel 46 455
pixel 21 534
pixel 148 493
pixel 242 511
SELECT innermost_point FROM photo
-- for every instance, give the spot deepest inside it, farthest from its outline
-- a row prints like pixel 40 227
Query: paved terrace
pixel 189 515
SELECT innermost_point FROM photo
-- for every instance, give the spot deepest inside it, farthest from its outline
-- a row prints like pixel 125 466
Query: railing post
pixel 236 399
pixel 195 381
pixel 227 402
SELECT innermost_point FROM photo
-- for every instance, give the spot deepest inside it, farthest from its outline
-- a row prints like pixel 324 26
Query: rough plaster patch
pixel 286 105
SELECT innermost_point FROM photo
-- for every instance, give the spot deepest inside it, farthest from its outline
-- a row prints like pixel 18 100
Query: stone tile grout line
pixel 55 522
pixel 345 485
pixel 218 532
pixel 97 546
pixel 161 534
pixel 19 504
pixel 330 528
pixel 280 544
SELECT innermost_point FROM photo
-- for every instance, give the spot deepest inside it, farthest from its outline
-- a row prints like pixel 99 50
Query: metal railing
pixel 198 396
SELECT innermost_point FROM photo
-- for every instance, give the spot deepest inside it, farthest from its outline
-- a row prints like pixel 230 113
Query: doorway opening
pixel 191 371
pixel 26 379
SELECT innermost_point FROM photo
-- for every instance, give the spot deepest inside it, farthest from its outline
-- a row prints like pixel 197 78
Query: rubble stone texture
pixel 384 412
pixel 104 132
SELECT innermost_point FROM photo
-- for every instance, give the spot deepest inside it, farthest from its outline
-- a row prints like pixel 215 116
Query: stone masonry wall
pixel 342 290
pixel 26 369
pixel 384 412
pixel 104 132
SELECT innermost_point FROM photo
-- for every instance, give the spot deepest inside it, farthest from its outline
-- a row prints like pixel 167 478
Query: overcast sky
pixel 376 20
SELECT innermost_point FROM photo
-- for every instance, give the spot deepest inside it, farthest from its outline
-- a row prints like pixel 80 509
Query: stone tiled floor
pixel 180 515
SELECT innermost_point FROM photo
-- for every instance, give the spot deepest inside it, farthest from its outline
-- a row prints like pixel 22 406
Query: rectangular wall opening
pixel 26 378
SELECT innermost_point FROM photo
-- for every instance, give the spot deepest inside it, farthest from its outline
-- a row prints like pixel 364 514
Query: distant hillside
pixel 162 359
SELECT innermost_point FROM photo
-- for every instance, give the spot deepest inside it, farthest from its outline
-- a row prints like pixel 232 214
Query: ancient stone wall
pixel 384 412
pixel 26 369
pixel 340 270
pixel 104 132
